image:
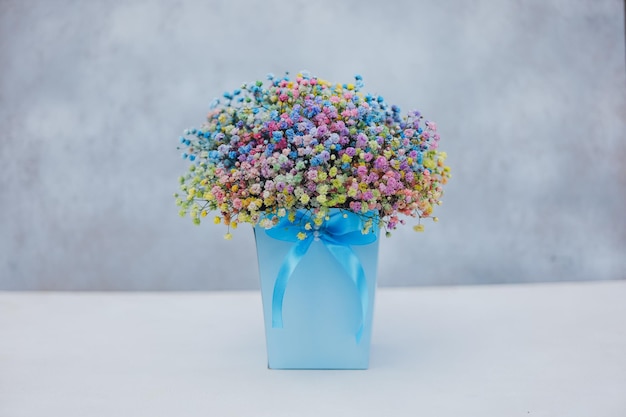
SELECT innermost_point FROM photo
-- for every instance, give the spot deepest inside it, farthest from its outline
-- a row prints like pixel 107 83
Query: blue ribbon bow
pixel 338 233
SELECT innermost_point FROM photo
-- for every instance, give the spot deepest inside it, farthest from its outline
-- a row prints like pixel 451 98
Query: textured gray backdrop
pixel 529 97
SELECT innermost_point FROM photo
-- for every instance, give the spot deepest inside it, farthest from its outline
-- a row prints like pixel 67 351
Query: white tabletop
pixel 517 350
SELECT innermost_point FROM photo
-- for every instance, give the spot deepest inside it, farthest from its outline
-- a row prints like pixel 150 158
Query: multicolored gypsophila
pixel 306 143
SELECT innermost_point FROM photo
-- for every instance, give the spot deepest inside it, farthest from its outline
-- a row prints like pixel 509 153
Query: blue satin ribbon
pixel 337 234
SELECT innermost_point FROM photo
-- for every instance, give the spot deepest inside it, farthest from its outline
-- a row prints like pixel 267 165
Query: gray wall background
pixel 529 98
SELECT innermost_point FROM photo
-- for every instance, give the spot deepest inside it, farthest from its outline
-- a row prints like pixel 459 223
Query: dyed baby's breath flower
pixel 308 144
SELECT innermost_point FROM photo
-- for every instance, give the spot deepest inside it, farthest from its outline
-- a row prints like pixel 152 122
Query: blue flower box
pixel 322 316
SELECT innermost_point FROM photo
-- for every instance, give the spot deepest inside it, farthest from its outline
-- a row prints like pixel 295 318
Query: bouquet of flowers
pixel 269 150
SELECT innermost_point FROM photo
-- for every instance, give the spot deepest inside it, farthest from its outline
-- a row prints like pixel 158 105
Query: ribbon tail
pixel 291 261
pixel 351 263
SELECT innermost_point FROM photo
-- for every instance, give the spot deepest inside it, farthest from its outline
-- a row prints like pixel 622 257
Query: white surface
pixel 534 350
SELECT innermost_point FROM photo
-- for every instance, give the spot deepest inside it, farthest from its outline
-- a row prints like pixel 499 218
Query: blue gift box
pixel 318 293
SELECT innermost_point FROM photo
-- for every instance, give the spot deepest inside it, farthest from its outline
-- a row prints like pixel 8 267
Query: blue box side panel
pixel 321 307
